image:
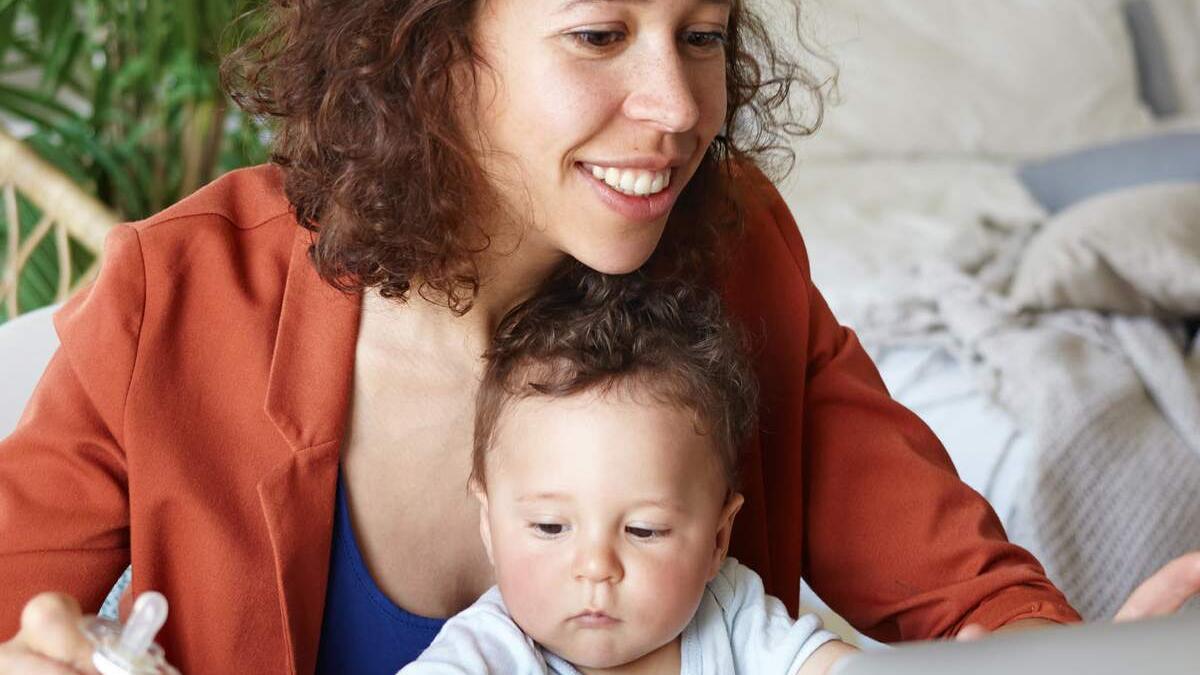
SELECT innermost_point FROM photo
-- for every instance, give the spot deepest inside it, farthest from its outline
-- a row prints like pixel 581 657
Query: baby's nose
pixel 598 563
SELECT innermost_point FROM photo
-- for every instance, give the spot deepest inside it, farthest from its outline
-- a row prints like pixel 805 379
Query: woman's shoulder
pixel 237 231
pixel 770 237
pixel 227 248
pixel 765 270
pixel 243 199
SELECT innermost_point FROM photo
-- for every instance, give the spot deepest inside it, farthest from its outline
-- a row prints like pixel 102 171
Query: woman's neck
pixel 507 276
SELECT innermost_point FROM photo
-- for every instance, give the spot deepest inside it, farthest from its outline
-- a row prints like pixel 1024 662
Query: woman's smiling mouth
pixel 638 194
pixel 631 181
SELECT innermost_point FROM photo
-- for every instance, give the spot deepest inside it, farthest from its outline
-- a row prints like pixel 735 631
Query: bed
pixel 1004 202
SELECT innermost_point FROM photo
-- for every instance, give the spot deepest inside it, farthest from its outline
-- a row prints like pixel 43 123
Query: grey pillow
pixel 1156 80
pixel 1167 52
pixel 1135 251
pixel 1061 181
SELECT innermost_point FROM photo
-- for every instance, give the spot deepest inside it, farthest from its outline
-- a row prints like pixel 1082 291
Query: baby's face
pixel 605 516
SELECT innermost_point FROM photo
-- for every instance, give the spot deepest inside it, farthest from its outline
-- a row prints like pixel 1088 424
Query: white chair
pixel 26 344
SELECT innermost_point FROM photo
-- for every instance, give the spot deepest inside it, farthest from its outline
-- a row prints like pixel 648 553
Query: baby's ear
pixel 729 511
pixel 475 486
pixel 485 527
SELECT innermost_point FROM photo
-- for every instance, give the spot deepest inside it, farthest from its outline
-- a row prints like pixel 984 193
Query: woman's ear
pixel 729 511
pixel 485 527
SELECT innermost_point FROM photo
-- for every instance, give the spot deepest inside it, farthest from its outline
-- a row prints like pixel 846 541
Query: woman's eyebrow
pixel 575 3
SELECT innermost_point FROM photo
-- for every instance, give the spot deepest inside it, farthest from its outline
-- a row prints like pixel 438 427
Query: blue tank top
pixel 364 632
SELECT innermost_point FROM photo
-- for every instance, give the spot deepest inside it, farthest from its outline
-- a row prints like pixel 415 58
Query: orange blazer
pixel 190 424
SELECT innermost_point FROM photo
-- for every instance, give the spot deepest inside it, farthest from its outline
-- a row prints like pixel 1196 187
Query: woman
pixel 295 349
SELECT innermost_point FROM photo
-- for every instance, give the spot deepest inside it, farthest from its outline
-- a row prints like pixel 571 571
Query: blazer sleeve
pixel 895 542
pixel 64 516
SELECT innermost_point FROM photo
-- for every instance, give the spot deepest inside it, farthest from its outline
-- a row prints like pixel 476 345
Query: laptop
pixel 1163 646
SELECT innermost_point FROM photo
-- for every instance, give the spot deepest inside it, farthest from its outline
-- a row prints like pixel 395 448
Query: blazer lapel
pixel 308 398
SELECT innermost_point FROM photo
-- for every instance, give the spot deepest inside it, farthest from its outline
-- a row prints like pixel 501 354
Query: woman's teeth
pixel 632 181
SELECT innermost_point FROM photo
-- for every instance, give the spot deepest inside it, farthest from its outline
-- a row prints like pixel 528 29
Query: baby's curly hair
pixel 364 101
pixel 587 331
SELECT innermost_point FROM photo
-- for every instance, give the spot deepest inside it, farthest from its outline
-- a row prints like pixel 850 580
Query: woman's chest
pixel 405 463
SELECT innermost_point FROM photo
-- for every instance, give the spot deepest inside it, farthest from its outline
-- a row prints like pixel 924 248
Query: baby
pixel 605 458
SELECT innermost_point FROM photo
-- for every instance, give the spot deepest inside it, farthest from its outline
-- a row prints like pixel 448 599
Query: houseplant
pixel 123 96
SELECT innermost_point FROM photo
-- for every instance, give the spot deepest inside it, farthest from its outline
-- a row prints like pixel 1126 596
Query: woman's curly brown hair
pixel 363 101
pixel 634 334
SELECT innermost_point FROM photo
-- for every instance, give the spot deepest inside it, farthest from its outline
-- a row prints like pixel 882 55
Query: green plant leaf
pixel 8 20
pixel 63 161
pixel 27 99
pixel 53 21
pixel 61 63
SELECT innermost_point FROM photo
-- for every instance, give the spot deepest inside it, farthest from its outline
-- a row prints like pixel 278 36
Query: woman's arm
pixel 64 515
pixel 1163 593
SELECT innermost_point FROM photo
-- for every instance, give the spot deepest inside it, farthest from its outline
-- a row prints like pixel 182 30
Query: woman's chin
pixel 616 260
pixel 614 265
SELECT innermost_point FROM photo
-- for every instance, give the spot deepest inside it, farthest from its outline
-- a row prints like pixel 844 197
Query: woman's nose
pixel 598 562
pixel 662 94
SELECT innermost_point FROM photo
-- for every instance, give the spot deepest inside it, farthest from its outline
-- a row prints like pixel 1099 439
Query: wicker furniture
pixel 67 212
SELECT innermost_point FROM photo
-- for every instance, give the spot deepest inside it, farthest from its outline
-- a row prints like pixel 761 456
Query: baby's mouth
pixel 595 618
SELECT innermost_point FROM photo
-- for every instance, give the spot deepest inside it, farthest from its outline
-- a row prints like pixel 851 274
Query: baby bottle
pixel 130 650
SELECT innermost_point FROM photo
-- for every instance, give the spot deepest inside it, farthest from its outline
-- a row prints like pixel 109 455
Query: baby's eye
pixel 548 529
pixel 598 39
pixel 645 532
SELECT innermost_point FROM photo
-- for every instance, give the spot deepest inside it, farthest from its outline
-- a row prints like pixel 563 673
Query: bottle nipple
pixel 131 650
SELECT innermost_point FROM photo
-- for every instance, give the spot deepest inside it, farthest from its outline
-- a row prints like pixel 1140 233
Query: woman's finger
pixel 15 658
pixel 971 631
pixel 50 627
pixel 1165 591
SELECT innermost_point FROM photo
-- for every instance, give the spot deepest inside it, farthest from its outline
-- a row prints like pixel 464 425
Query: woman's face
pixel 594 115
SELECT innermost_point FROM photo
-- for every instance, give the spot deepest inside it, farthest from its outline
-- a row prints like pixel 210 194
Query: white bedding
pixel 868 223
pixel 880 234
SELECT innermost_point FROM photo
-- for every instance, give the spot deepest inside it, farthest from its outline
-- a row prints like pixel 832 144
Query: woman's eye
pixel 645 532
pixel 548 529
pixel 705 39
pixel 598 39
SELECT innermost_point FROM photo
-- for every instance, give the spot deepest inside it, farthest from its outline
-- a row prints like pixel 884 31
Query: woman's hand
pixel 50 641
pixel 1163 593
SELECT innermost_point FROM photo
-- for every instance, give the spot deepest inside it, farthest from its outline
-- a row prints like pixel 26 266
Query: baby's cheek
pixel 527 583
pixel 672 595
